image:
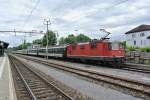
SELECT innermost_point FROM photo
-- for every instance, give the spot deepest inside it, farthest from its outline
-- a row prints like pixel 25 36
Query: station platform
pixel 7 91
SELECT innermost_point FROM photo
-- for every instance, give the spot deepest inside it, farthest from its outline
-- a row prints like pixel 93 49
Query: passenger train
pixel 96 51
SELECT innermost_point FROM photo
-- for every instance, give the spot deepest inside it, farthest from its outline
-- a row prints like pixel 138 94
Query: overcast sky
pixel 86 16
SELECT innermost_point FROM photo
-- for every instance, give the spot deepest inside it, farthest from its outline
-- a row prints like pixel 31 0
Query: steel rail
pixel 91 74
pixel 135 69
pixel 45 80
pixel 24 81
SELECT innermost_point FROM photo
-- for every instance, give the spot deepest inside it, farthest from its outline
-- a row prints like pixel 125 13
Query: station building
pixel 139 36
pixel 3 46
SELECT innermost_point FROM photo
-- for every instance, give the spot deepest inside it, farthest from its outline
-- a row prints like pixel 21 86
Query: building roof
pixel 139 29
pixel 3 44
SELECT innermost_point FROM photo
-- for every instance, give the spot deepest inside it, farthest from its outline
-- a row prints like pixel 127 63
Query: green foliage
pixel 124 44
pixel 62 40
pixel 22 46
pixel 71 39
pixel 51 39
pixel 146 49
pixel 37 41
pixel 132 48
pixel 82 38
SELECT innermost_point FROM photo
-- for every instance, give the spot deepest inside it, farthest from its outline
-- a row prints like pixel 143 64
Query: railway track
pixel 133 85
pixel 135 68
pixel 32 86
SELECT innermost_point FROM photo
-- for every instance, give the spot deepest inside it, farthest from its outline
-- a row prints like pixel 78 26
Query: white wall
pixel 141 41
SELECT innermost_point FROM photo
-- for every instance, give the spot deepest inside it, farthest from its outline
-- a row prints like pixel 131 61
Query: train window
pixel 58 50
pixel 55 50
pixel 64 50
pixel 61 51
pixel 43 50
pixel 109 46
pixel 121 46
pixel 49 50
pixel 93 45
pixel 82 46
pixel 115 46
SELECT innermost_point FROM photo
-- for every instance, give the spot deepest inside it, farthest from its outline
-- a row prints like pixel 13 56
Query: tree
pixel 71 39
pixel 51 39
pixel 62 40
pixel 22 46
pixel 37 41
pixel 82 38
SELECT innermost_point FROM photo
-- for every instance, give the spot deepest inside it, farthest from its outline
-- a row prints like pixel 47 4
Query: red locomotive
pixel 102 51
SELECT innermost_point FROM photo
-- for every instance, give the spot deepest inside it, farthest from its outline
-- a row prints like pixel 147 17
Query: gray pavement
pixel 111 71
pixel 88 88
pixel 116 72
pixel 6 82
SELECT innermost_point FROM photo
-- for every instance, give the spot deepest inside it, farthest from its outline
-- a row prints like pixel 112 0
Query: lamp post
pixel 47 23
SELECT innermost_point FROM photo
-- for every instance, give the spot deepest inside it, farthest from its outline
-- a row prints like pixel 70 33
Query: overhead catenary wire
pixel 31 12
pixel 116 4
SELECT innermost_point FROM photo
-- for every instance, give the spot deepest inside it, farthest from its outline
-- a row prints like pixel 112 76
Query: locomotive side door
pixel 68 50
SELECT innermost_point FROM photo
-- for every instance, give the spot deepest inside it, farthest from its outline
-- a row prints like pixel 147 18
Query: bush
pixel 146 49
pixel 132 48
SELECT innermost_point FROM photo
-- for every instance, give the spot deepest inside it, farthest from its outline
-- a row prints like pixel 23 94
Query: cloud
pixel 86 16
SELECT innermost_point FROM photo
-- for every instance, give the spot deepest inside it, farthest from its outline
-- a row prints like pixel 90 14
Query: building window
pixel 145 42
pixel 142 34
pixel 134 42
pixel 133 35
pixel 141 42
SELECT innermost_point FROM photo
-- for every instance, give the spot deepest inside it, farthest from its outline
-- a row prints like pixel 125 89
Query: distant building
pixel 34 46
pixel 3 46
pixel 139 36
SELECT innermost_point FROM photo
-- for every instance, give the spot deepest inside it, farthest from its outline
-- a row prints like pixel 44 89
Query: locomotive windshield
pixel 116 45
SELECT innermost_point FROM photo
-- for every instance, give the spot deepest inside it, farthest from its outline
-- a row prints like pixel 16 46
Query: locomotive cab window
pixel 115 46
pixel 121 45
pixel 109 46
pixel 82 46
pixel 93 45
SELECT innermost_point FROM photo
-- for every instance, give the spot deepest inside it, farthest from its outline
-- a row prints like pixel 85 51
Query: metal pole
pixel 47 40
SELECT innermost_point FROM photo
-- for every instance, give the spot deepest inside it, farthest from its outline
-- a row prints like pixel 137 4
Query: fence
pixel 138 57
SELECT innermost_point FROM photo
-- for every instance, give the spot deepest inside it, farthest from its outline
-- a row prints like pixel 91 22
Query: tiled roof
pixel 139 29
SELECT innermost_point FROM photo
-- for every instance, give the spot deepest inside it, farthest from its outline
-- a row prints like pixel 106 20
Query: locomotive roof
pixel 64 46
pixel 94 41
